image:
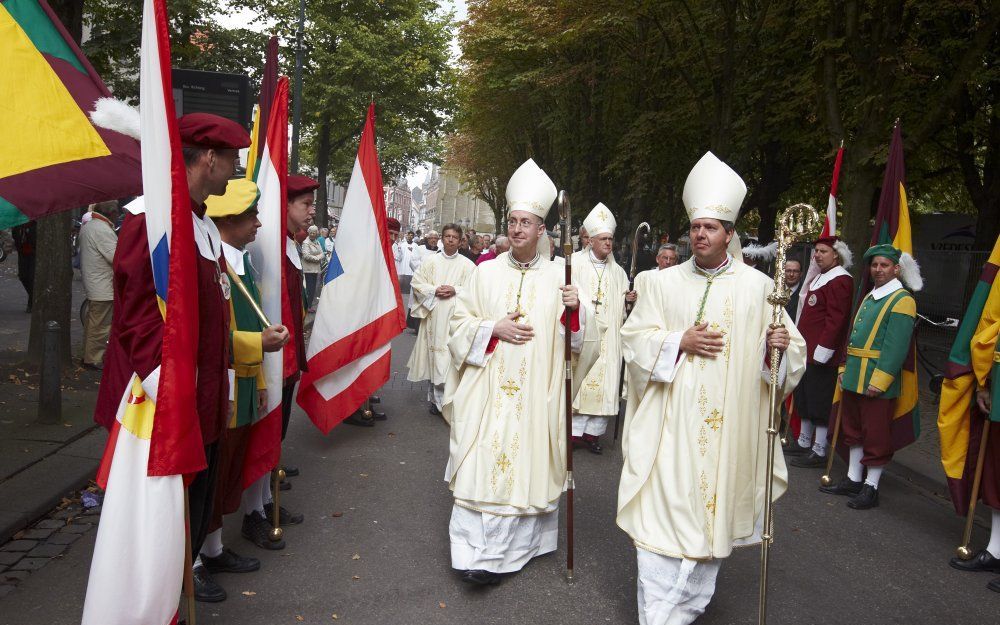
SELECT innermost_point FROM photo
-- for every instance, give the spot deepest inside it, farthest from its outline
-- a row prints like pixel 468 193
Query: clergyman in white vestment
pixel 434 288
pixel 694 440
pixel 505 396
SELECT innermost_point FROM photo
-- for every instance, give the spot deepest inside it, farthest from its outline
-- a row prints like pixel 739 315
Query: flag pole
pixel 188 562
pixel 564 216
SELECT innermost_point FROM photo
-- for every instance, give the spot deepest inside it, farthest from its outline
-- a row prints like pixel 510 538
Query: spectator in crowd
pixel 24 243
pixel 97 252
pixel 666 256
pixel 475 248
pixel 324 234
pixel 312 258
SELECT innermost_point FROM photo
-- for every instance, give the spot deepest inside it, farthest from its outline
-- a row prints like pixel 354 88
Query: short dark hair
pixel 794 260
pixel 728 226
pixel 191 155
pixel 454 228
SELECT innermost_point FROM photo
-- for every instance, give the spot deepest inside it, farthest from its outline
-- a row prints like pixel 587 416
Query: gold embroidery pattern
pixel 703 401
pixel 702 441
pixel 510 388
pixel 714 420
pixel 502 473
pixel 727 322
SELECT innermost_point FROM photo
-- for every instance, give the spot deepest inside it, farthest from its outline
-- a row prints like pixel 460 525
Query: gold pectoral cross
pixel 597 298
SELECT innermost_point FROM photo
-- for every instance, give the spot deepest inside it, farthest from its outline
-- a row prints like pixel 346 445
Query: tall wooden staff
pixel 567 241
pixel 964 552
pixel 628 310
pixel 276 533
pixel 795 223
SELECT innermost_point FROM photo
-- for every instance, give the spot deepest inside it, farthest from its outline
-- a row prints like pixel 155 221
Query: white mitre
pixel 713 190
pixel 531 190
pixel 600 220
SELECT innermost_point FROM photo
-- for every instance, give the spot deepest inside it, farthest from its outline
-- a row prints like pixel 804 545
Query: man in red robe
pixel 210 145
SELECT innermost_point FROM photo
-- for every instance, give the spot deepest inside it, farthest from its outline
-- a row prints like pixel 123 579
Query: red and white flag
pixel 138 565
pixel 360 309
pixel 267 255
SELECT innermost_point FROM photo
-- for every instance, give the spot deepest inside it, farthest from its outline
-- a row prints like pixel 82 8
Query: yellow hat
pixel 241 195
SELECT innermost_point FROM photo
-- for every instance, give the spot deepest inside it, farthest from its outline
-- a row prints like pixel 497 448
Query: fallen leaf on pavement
pixel 363 474
pixel 334 617
pixel 337 515
pixel 299 617
pixel 392 435
pixel 356 577
pixel 442 605
pixel 248 593
pixel 356 557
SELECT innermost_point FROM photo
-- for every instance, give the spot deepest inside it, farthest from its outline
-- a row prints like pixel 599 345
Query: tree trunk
pixel 859 193
pixel 323 165
pixel 53 293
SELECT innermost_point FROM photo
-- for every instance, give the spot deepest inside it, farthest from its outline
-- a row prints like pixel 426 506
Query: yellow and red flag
pixel 52 157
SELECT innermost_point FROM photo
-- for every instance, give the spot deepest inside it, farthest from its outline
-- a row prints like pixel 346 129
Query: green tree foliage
pixel 617 99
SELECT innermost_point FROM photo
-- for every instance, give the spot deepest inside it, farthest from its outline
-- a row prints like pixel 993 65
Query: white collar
pixel 822 279
pixel 234 258
pixel 886 289
pixel 207 238
pixel 455 255
pixel 292 252
pixel 726 264
pixel 595 259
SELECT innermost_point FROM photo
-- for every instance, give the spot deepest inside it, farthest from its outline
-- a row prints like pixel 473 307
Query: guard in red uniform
pixel 824 322
pixel 211 144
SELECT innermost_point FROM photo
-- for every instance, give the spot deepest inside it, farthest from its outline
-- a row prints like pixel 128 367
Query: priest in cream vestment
pixel 694 441
pixel 505 396
pixel 603 292
pixel 434 288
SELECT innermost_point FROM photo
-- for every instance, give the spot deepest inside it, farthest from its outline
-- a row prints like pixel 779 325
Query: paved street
pixel 374 548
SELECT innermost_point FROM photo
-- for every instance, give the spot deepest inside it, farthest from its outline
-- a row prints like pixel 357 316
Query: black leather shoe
pixel 230 562
pixel 981 562
pixel 257 530
pixel 374 399
pixel 867 498
pixel 205 588
pixel 994 585
pixel 434 410
pixel 284 516
pixel 284 485
pixel 358 418
pixel 378 416
pixel 812 461
pixel 480 577
pixel 793 449
pixel 291 471
pixel 593 445
pixel 846 486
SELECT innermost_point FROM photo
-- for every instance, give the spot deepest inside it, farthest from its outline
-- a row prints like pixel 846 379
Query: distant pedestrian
pixel 97 253
pixel 24 243
pixel 312 258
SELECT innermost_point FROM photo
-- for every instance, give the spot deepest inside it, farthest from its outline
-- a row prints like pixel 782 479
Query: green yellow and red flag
pixel 53 158
pixel 970 363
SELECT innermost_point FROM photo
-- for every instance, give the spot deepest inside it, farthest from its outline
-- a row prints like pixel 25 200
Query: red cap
pixel 204 130
pixel 392 223
pixel 297 185
pixel 826 241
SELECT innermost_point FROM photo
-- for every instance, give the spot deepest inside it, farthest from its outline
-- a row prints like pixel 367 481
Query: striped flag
pixel 360 309
pixel 970 361
pixel 137 570
pixel 267 254
pixel 53 158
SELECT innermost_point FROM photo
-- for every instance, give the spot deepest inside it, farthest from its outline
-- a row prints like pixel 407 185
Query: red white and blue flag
pixel 267 254
pixel 138 566
pixel 360 309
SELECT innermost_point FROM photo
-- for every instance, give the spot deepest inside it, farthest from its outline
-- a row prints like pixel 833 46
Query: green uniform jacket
pixel 246 349
pixel 880 340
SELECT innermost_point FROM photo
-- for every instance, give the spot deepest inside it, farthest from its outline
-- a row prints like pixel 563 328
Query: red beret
pixel 826 241
pixel 297 185
pixel 204 130
pixel 392 223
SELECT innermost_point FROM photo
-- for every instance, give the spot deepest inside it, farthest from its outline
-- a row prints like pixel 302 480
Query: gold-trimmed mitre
pixel 600 220
pixel 713 190
pixel 531 190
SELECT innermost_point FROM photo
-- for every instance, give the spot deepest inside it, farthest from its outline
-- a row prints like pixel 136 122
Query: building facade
pixel 447 200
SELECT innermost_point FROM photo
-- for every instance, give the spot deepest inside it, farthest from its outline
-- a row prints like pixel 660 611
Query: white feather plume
pixel 116 115
pixel 846 257
pixel 909 272
pixel 761 252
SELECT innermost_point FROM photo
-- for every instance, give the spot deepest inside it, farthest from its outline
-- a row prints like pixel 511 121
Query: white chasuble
pixel 597 368
pixel 430 359
pixel 694 438
pixel 506 406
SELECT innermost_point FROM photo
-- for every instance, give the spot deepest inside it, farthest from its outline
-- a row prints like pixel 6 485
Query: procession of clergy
pixel 694 339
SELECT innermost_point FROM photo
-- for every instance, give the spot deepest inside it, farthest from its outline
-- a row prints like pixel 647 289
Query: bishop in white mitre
pixel 505 395
pixel 694 441
pixel 603 292
pixel 434 288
